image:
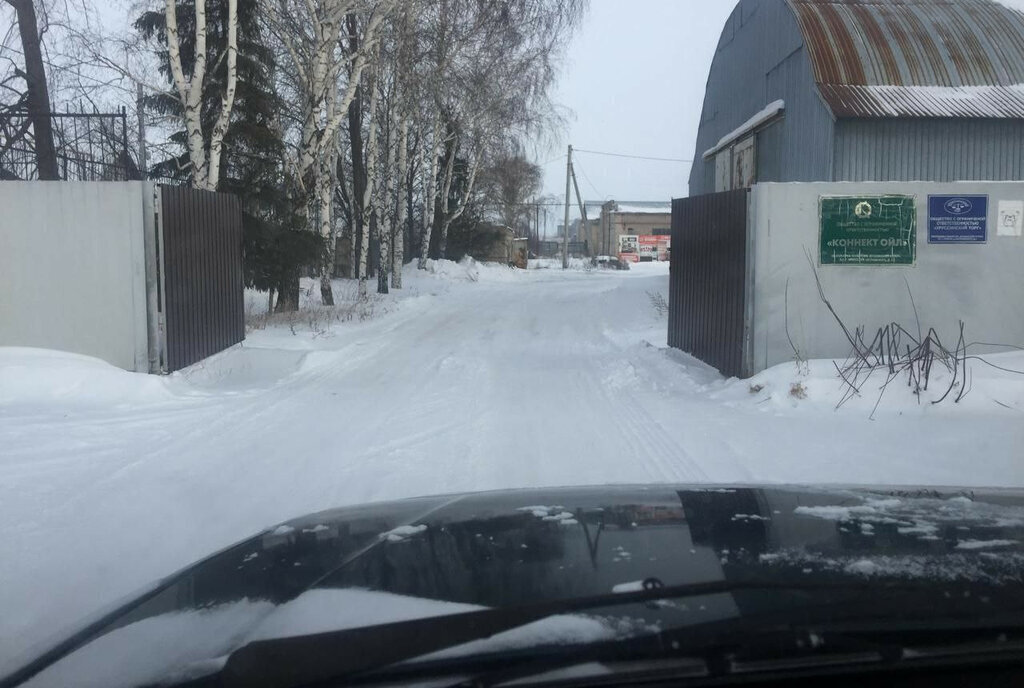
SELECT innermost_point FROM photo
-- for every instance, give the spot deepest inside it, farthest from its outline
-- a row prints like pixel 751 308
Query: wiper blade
pixel 309 659
pixel 767 643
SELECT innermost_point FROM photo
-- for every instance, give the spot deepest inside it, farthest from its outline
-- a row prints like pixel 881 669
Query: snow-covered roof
pixel 914 58
pixel 847 100
pixel 769 112
pixel 652 209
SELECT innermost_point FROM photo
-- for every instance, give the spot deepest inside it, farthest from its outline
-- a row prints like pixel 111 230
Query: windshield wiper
pixel 309 659
pixel 767 645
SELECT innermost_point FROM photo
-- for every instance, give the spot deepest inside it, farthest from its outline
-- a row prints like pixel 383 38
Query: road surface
pixel 110 480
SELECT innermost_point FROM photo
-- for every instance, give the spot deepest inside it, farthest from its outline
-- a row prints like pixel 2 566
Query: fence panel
pixel 202 259
pixel 708 277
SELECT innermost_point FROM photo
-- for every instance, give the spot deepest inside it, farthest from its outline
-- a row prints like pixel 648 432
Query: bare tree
pixel 327 63
pixel 509 182
pixel 492 73
pixel 36 97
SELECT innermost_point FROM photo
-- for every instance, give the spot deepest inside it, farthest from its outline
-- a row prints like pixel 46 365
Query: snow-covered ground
pixel 473 377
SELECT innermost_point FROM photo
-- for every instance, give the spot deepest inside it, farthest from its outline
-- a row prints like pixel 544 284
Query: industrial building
pixel 863 90
pixel 633 230
pixel 874 147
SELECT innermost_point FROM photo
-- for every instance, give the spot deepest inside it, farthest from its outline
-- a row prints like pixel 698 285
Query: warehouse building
pixel 874 145
pixel 863 90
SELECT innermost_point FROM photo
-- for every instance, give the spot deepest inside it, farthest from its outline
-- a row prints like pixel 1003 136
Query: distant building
pixel 859 90
pixel 640 219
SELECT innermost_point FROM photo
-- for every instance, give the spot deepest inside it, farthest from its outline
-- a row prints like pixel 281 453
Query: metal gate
pixel 707 287
pixel 202 291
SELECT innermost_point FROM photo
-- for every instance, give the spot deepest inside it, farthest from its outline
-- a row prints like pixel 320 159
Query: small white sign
pixel 1011 218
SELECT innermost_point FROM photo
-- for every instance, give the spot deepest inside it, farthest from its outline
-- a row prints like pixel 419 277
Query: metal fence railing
pixel 89 146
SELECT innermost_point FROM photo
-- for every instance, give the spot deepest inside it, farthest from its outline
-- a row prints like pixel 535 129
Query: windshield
pixel 324 316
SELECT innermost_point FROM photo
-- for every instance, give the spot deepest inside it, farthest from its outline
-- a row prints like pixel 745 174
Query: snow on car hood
pixel 361 566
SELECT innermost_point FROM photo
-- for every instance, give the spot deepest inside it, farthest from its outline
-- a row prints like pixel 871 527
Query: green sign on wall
pixel 867 230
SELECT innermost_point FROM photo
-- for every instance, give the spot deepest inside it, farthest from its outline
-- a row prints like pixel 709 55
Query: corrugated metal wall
pixel 941 150
pixel 759 59
pixel 201 244
pixel 707 283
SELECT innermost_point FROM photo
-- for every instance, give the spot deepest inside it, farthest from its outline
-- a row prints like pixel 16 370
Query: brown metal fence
pixel 203 299
pixel 708 278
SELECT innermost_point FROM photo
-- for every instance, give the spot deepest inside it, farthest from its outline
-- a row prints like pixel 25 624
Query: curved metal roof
pixel 916 58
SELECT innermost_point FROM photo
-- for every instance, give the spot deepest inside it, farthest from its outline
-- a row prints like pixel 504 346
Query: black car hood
pixel 359 566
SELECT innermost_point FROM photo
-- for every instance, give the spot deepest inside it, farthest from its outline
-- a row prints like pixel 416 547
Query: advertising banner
pixel 629 247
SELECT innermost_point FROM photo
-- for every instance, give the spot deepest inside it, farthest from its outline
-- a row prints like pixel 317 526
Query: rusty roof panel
pixel 915 58
pixel 924 101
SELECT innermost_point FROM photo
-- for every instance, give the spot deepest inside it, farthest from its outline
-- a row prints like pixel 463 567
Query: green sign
pixel 868 230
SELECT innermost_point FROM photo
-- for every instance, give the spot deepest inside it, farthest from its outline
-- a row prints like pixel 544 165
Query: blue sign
pixel 957 219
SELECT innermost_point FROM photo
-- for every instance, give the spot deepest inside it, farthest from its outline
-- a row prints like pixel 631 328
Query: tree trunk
pixel 384 260
pixel 429 190
pixel 288 295
pixel 325 189
pixel 355 128
pixel 368 197
pixel 38 93
pixel 451 217
pixel 451 148
pixel 398 231
pixel 220 128
pixel 386 210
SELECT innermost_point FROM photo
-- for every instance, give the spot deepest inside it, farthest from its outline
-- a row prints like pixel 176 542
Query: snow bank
pixel 466 270
pixel 556 264
pixel 994 387
pixel 42 376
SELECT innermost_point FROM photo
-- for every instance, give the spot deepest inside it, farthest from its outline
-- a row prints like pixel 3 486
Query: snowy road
pixel 109 480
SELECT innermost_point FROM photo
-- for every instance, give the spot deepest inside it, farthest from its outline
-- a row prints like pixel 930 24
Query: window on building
pixel 661 231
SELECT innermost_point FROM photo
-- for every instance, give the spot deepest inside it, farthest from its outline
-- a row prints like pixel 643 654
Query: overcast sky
pixel 634 81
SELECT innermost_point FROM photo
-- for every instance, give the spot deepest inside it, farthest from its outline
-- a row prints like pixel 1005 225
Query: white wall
pixel 982 284
pixel 72 268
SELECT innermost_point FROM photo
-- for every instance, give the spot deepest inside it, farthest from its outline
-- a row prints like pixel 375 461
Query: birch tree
pixel 204 150
pixel 368 201
pixel 493 69
pixel 327 64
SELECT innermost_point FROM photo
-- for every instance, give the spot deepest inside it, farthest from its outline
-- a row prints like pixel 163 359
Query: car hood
pixel 363 565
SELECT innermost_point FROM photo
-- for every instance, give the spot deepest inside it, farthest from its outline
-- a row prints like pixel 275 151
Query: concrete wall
pixel 982 284
pixel 73 268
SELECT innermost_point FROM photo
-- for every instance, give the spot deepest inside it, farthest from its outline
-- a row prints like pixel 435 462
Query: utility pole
pixel 579 199
pixel 565 227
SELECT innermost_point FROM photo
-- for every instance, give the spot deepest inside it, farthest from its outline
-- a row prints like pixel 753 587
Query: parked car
pixel 702 585
pixel 611 263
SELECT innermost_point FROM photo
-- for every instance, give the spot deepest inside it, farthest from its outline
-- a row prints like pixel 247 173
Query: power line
pixel 557 157
pixel 635 157
pixel 583 172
